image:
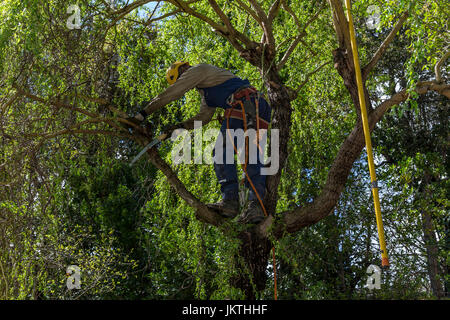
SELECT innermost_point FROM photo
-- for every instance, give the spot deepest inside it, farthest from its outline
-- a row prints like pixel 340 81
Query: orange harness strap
pixel 237 114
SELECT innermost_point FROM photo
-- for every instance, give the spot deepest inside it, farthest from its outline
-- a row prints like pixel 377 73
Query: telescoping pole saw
pixel 362 103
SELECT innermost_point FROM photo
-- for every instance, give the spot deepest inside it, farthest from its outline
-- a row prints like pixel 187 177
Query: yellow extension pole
pixel 365 122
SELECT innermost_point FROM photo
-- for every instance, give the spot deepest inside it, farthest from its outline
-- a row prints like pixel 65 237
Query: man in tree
pixel 220 88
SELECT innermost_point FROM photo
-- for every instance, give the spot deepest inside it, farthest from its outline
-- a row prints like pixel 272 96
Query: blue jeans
pixel 226 172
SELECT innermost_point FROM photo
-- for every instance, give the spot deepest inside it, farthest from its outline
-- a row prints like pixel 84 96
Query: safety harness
pixel 248 110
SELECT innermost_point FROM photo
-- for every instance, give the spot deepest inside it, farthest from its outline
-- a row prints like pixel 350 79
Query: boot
pixel 226 208
pixel 253 213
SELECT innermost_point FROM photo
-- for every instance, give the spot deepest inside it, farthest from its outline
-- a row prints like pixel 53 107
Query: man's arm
pixel 204 115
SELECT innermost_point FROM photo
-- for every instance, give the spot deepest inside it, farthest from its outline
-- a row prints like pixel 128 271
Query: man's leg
pixel 258 180
pixel 226 174
pixel 254 212
pixel 257 187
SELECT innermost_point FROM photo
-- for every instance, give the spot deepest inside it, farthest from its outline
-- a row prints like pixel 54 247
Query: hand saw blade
pixel 148 146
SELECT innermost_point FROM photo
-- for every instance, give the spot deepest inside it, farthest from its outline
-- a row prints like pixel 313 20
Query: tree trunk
pixel 252 263
pixel 281 120
pixel 431 246
pixel 432 249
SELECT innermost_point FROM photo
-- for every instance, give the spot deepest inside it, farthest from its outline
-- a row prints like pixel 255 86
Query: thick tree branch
pixel 259 11
pixel 185 7
pixel 421 88
pixel 202 211
pixel 294 220
pixel 341 26
pixel 273 11
pixel 382 49
pixel 222 16
pixel 437 67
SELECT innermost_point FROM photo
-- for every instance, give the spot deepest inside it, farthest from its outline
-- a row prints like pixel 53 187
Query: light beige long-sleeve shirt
pixel 199 76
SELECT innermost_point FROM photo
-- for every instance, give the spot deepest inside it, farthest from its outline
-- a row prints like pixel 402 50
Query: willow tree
pixel 45 69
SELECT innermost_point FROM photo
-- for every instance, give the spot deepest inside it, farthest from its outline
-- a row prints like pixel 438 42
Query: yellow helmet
pixel 172 73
